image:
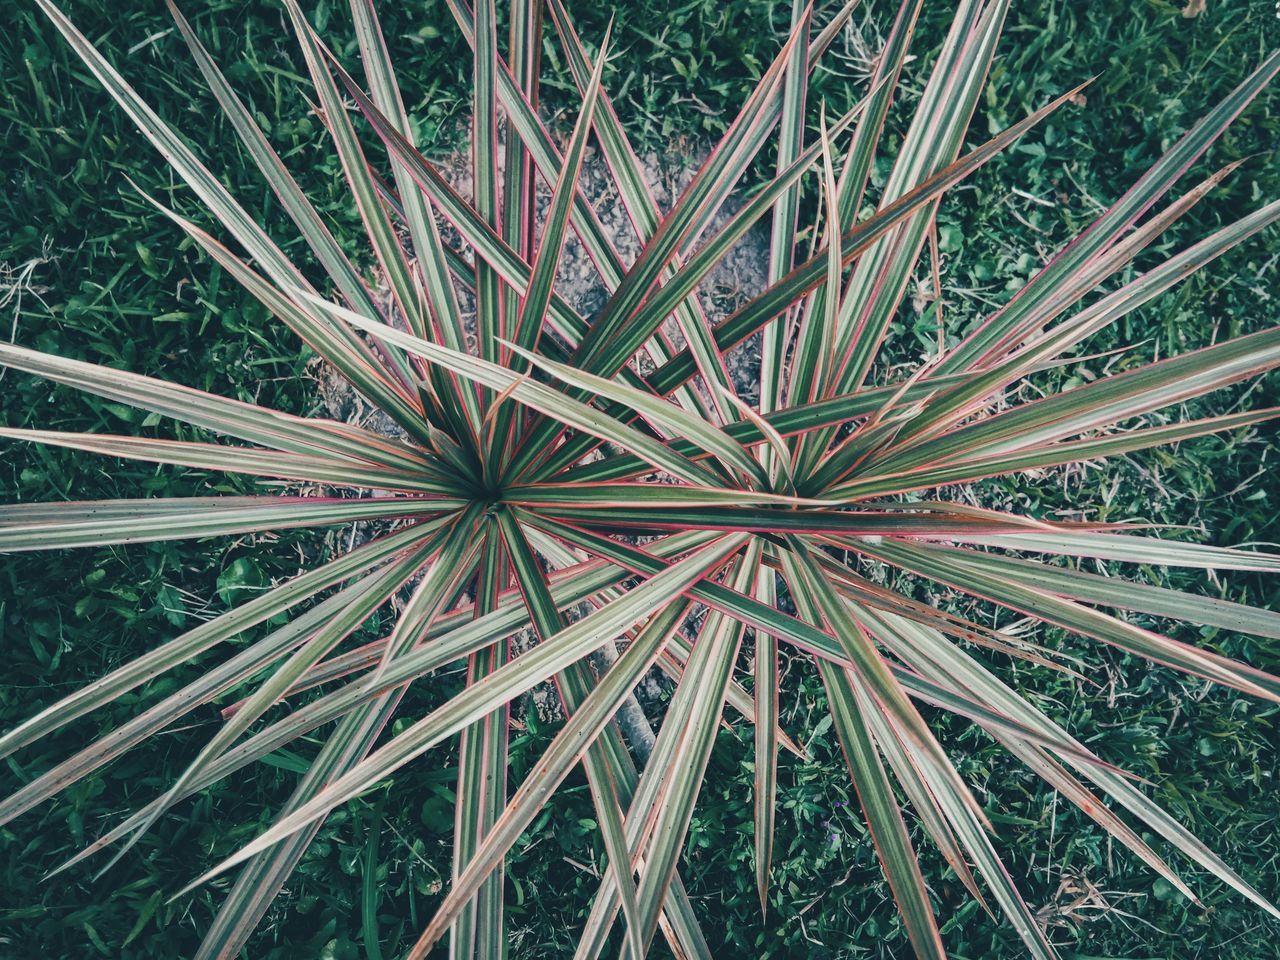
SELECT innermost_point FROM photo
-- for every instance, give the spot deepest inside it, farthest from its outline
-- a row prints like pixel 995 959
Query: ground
pixel 95 274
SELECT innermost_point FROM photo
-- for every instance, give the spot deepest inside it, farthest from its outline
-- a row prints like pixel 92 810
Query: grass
pixel 111 283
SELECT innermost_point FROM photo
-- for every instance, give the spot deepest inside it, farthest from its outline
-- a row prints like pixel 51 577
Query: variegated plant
pixel 534 448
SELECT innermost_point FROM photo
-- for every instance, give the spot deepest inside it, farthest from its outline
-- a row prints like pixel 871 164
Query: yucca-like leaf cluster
pixel 543 480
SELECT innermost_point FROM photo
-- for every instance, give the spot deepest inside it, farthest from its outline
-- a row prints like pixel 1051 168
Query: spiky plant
pixel 545 481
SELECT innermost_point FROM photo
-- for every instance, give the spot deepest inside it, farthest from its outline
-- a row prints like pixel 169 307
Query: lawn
pixel 93 272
